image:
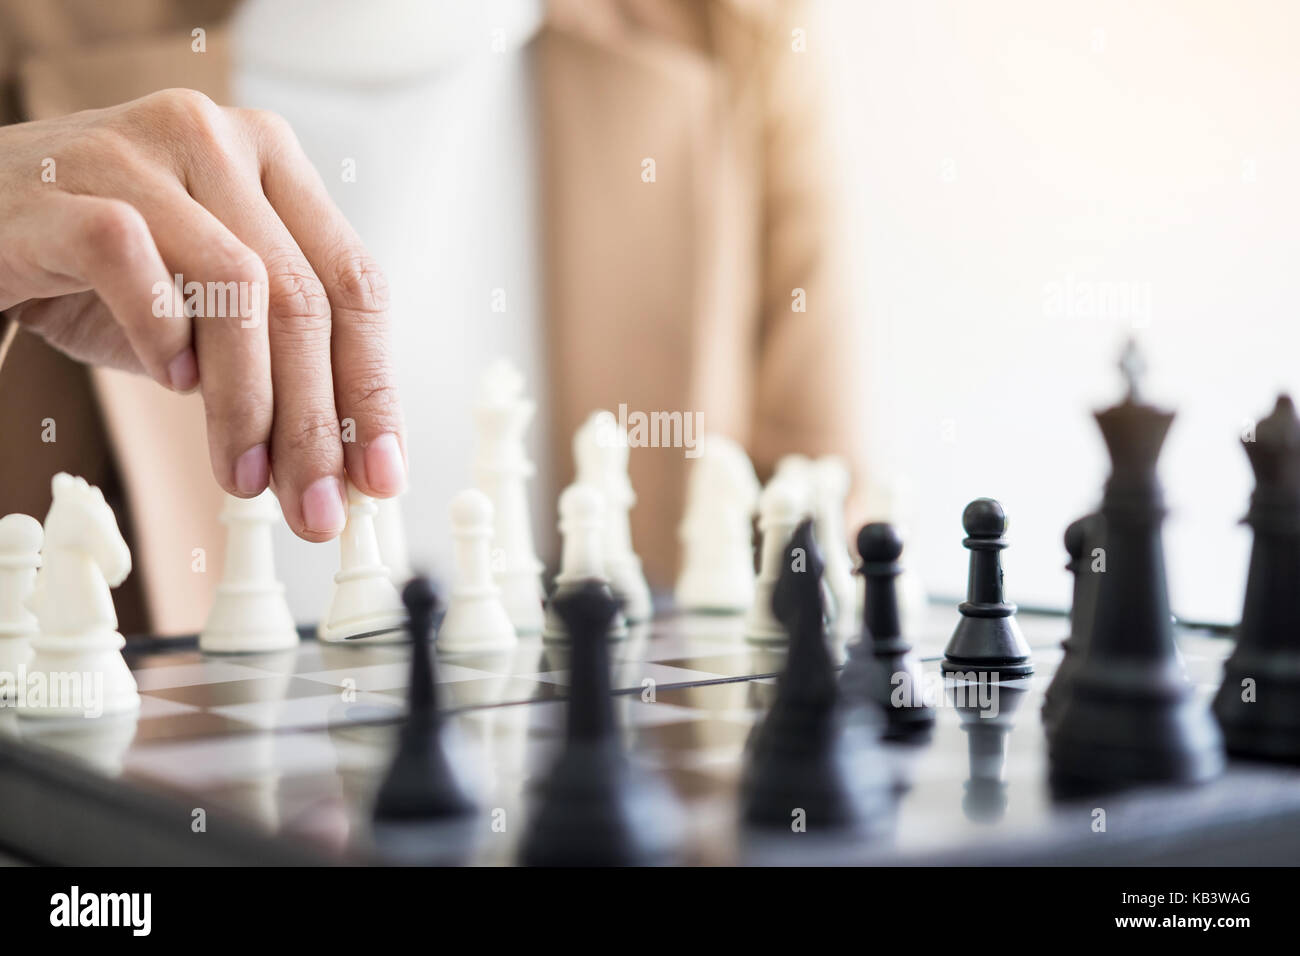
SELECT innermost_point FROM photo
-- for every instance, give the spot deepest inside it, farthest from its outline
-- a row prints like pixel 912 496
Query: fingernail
pixel 252 471
pixel 183 371
pixel 322 506
pixel 385 467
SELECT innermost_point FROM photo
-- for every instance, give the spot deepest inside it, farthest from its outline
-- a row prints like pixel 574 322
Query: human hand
pixel 100 210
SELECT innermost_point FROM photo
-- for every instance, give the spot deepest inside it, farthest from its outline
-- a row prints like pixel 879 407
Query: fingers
pixel 81 326
pixel 75 242
pixel 225 287
pixel 233 206
pixel 306 450
pixel 365 390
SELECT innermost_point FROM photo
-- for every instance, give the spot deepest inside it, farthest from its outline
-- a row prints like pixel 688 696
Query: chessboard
pixel 275 759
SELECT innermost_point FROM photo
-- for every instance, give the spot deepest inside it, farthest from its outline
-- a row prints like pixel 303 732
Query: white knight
pixel 76 667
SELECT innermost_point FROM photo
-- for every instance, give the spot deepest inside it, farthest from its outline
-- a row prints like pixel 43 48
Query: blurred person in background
pixel 631 199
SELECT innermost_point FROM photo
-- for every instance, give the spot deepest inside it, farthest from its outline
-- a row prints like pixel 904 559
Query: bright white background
pixel 1005 162
pixel 999 151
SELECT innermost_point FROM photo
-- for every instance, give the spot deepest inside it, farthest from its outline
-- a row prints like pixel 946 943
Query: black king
pixel 1131 716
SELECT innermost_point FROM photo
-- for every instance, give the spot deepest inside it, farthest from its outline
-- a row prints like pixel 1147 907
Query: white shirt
pixel 420 117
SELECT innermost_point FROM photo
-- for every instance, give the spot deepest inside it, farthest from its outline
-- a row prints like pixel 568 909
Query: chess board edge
pixel 54 810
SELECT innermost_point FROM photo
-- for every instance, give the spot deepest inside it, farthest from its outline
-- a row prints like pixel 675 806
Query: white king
pixel 502 471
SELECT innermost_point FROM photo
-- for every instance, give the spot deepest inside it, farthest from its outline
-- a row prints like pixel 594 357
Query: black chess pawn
pixel 1130 716
pixel 808 764
pixel 421 783
pixel 987 639
pixel 553 629
pixel 881 670
pixel 595 807
pixel 582 526
pixel 1258 704
pixel 1082 537
pixel 987 711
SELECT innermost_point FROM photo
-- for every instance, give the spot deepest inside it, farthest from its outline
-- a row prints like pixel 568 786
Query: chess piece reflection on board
pixel 987 711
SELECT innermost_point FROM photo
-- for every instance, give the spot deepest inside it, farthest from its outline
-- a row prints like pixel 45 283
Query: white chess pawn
pixel 249 611
pixel 502 471
pixel 77 669
pixel 582 530
pixel 780 509
pixel 364 600
pixel 600 451
pixel 20 556
pixel 830 484
pixel 476 620
pixel 391 533
pixel 717 531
